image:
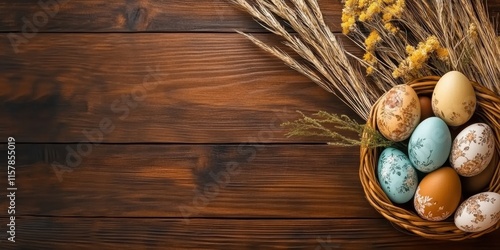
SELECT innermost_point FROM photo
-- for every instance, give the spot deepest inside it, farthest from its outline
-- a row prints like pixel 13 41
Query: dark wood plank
pixel 148 16
pixel 189 181
pixel 140 233
pixel 195 87
pixel 133 16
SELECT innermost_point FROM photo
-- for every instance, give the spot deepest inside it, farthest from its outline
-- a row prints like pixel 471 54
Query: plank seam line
pixel 197 218
pixel 147 32
pixel 183 143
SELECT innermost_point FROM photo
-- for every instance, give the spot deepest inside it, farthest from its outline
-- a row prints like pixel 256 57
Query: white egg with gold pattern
pixel 472 149
pixel 479 212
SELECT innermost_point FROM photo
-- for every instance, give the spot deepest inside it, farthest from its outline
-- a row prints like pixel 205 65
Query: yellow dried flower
pixel 395 10
pixel 363 17
pixel 372 40
pixel 362 3
pixel 348 25
pixel 371 60
pixel 369 70
pixel 417 57
pixel 391 28
pixel 370 44
pixel 442 54
pixel 367 10
pixel 350 3
pixel 372 10
pixel 386 17
pixel 392 9
pixel 400 71
pixel 399 7
pixel 349 14
pixel 368 57
pixel 409 49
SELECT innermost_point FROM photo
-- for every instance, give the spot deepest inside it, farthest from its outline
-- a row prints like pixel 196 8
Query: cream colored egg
pixel 472 149
pixel 454 99
pixel 398 113
pixel 479 212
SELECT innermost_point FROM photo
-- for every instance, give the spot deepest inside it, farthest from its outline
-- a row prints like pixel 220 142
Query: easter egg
pixel 398 113
pixel 396 175
pixel 454 99
pixel 429 145
pixel 472 149
pixel 479 212
pixel 438 194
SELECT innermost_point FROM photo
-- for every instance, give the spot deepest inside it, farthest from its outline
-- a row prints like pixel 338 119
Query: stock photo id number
pixel 11 188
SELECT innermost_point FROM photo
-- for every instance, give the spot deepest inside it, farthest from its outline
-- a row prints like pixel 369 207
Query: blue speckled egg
pixel 396 175
pixel 429 145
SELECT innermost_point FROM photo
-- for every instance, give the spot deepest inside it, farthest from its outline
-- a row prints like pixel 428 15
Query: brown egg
pixel 438 194
pixel 425 107
pixel 475 184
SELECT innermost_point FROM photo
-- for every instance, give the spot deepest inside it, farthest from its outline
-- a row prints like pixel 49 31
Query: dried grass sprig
pixel 318 126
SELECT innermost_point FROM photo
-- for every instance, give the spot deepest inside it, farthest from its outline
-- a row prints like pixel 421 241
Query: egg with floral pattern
pixel 479 212
pixel 472 149
pixel 429 145
pixel 454 98
pixel 396 175
pixel 438 194
pixel 398 113
pixel 476 183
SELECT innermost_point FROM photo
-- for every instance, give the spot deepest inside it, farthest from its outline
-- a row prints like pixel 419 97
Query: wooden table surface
pixel 154 125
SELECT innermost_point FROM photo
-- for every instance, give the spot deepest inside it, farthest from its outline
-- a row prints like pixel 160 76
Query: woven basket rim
pixel 488 108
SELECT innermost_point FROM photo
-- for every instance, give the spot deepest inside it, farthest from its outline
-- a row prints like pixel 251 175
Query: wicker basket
pixel 488 108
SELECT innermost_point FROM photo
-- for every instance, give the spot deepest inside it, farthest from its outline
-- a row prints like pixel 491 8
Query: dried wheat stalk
pixel 328 63
pixel 461 28
pixel 443 35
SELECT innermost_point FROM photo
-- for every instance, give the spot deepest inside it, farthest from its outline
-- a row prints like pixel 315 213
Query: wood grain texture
pixel 214 88
pixel 147 16
pixel 278 181
pixel 142 16
pixel 187 151
pixel 142 233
